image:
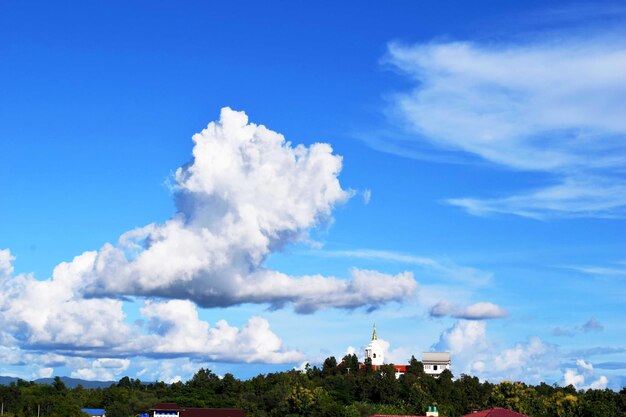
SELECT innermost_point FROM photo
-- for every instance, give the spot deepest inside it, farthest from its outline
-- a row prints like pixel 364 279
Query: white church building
pixel 434 362
pixel 375 351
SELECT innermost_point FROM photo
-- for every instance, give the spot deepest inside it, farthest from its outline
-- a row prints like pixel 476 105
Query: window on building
pixel 435 367
pixel 374 355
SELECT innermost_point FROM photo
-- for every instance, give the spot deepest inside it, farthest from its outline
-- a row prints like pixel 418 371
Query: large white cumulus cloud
pixel 246 193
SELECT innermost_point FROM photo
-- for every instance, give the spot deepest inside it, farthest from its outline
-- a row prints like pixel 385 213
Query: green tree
pixel 330 366
pixel 415 367
pixel 349 364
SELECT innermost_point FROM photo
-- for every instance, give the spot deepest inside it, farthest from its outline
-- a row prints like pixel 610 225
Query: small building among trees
pixel 173 410
pixel 94 412
pixel 436 362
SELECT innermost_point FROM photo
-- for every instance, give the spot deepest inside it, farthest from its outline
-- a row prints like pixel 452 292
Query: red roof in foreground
pixel 496 412
pixel 212 412
pixel 199 412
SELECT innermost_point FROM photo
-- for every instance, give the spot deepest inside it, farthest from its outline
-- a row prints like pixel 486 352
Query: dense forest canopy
pixel 334 389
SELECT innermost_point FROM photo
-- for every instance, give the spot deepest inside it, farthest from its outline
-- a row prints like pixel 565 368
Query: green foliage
pixel 342 389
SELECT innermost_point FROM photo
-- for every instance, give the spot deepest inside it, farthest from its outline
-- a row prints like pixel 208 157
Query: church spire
pixel 374 334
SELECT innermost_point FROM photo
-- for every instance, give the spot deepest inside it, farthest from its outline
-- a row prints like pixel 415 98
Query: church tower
pixel 374 350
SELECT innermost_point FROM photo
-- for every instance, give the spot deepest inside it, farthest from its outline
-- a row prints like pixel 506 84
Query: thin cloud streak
pixel 591 325
pixel 595 351
pixel 445 269
pixel 591 197
pixel 598 270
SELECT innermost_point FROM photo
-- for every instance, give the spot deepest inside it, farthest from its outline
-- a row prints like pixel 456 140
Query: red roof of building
pixel 212 412
pixel 199 412
pixel 496 412
pixel 400 368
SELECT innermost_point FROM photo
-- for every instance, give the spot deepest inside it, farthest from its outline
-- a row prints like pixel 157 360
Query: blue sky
pixel 479 206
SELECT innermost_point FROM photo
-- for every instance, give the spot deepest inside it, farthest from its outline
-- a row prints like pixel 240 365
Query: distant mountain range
pixel 69 382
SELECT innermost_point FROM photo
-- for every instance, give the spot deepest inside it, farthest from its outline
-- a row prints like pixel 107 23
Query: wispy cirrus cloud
pixel 571 197
pixel 597 351
pixel 618 270
pixel 611 365
pixel 546 105
pixel 590 14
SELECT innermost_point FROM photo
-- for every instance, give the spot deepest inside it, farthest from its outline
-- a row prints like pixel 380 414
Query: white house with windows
pixel 435 362
pixel 165 410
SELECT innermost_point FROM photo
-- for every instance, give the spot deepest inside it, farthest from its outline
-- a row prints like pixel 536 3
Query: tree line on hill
pixel 335 389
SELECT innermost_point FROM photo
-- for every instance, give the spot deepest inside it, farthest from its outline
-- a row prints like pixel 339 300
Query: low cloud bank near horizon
pixel 532 361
